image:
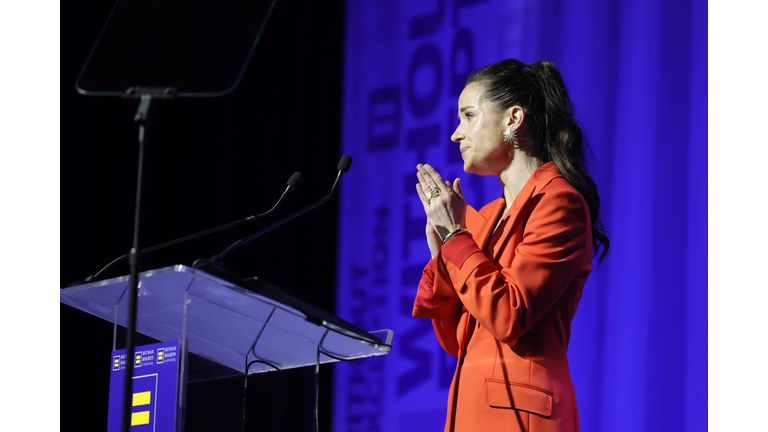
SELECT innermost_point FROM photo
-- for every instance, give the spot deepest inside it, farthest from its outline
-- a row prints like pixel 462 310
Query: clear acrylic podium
pixel 239 329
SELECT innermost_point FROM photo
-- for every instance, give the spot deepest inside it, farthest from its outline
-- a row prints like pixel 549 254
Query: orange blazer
pixel 503 304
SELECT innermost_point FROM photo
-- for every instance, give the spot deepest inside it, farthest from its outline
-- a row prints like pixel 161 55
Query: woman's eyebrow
pixel 462 109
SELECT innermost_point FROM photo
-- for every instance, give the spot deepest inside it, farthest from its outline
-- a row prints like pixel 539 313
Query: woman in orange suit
pixel 504 282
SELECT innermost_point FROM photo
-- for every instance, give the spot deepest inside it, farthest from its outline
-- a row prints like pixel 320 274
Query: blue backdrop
pixel 637 74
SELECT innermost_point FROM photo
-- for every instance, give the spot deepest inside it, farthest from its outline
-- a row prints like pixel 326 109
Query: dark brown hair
pixel 551 132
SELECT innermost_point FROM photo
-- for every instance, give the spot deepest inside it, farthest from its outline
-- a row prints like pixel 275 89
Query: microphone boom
pixel 293 182
pixel 344 164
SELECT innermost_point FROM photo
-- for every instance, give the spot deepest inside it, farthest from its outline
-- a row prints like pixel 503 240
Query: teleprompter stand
pixel 154 51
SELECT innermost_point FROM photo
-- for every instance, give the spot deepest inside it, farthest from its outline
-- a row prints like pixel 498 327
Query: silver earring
pixel 509 136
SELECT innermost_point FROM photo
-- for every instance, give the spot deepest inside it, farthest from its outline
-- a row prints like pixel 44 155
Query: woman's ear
pixel 514 117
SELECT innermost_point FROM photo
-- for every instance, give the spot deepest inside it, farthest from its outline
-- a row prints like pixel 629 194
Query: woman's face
pixel 480 134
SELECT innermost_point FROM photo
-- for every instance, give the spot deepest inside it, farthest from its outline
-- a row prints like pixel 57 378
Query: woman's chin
pixel 468 167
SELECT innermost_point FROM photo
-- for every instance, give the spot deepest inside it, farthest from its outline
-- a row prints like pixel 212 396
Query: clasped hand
pixel 445 209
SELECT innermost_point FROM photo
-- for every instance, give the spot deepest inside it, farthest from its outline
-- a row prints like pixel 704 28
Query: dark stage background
pixel 208 162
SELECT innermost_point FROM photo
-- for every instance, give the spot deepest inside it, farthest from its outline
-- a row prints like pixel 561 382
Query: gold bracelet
pixel 450 236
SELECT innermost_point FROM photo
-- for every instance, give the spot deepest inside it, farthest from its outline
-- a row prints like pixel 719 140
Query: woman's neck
pixel 514 177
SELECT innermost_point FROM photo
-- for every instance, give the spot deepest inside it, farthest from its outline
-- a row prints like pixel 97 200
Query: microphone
pixel 217 260
pixel 293 182
pixel 344 164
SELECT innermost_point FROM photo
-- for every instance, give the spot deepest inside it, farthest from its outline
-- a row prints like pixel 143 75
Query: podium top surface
pixel 249 330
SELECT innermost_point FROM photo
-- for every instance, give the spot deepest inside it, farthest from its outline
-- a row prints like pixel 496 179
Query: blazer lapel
pixel 490 220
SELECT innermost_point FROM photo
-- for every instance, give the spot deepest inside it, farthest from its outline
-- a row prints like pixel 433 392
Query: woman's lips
pixel 463 149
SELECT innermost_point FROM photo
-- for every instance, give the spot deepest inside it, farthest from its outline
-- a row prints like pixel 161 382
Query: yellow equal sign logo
pixel 137 361
pixel 160 355
pixel 141 417
pixel 116 363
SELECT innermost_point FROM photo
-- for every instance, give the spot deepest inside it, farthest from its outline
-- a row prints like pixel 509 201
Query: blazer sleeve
pixel 511 300
pixel 436 299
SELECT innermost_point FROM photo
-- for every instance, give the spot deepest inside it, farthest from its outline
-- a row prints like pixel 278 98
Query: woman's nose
pixel 457 135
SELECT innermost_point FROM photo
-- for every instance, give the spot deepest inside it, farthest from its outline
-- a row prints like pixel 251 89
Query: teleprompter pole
pixel 134 258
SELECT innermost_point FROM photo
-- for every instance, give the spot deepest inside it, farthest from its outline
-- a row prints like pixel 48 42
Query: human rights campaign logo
pixel 154 389
pixel 143 403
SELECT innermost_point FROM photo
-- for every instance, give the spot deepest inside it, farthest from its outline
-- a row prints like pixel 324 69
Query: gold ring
pixel 433 193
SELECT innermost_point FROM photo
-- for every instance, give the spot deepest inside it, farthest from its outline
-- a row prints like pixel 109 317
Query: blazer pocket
pixel 502 394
